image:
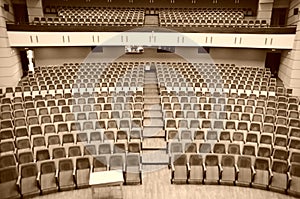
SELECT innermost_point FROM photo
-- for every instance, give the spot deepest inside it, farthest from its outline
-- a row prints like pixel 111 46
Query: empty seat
pixel 133 170
pixel 245 171
pixel 179 169
pixel 279 180
pixel 99 163
pixel 262 173
pixel 28 180
pixel 116 162
pixel 47 175
pixel 8 182
pixel 65 174
pixel 82 175
pixel 228 169
pixel 196 171
pixel 294 179
pixel 212 169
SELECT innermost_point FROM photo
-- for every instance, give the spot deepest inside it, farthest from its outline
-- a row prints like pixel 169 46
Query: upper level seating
pixel 207 17
pixel 95 16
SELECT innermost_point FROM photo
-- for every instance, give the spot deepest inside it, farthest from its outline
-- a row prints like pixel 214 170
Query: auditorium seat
pixel 47 177
pixel 8 182
pixel 279 179
pixel 262 173
pixel 27 180
pixel 133 170
pixel 66 174
pixel 196 169
pixel 212 169
pixel 83 170
pixel 179 169
pixel 245 171
pixel 294 174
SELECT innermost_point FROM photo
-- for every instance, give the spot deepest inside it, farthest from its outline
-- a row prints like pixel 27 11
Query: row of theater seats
pixel 208 18
pixel 70 119
pixel 62 174
pixel 101 21
pixel 245 133
pixel 276 175
pixel 225 23
pixel 94 16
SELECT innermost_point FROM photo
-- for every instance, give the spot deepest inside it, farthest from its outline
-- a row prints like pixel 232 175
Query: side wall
pixel 289 70
pixel 293 19
pixel 10 65
pixel 242 57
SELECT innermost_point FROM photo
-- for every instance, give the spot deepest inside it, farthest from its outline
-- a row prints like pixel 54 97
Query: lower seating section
pixel 95 16
pixel 227 124
pixel 224 124
pixel 66 121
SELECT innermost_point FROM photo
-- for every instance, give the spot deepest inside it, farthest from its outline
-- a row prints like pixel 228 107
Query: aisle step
pixel 153 132
pixel 154 157
pixel 155 122
pixel 153 113
pixel 154 143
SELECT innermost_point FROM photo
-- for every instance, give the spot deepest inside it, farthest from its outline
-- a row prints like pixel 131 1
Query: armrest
pixel 221 168
pixel 74 172
pixel 172 167
pixel 289 177
pixel 38 177
pixel 188 166
pixel 92 167
pixel 74 176
pixel 270 172
pixel 56 174
pixel 140 168
pixel 253 170
pixel 19 181
pixel 271 176
pixel 204 167
pixel 236 168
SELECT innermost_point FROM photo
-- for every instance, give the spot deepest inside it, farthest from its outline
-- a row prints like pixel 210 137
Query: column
pixel 10 65
pixel 289 70
pixel 264 11
pixel 35 9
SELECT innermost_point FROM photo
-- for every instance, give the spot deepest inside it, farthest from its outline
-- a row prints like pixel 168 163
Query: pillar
pixel 10 64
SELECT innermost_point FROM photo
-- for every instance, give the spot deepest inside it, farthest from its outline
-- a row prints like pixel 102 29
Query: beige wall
pixel 60 55
pixel 10 66
pixel 293 19
pixel 245 57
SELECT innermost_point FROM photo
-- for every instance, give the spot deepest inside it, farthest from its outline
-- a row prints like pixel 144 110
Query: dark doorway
pixel 24 62
pixel 20 12
pixel 279 17
pixel 273 62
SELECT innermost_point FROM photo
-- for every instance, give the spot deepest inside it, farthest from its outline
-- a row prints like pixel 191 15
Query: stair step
pixel 151 90
pixel 153 132
pixel 155 157
pixel 148 99
pixel 155 122
pixel 152 113
pixel 151 85
pixel 154 143
pixel 152 107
